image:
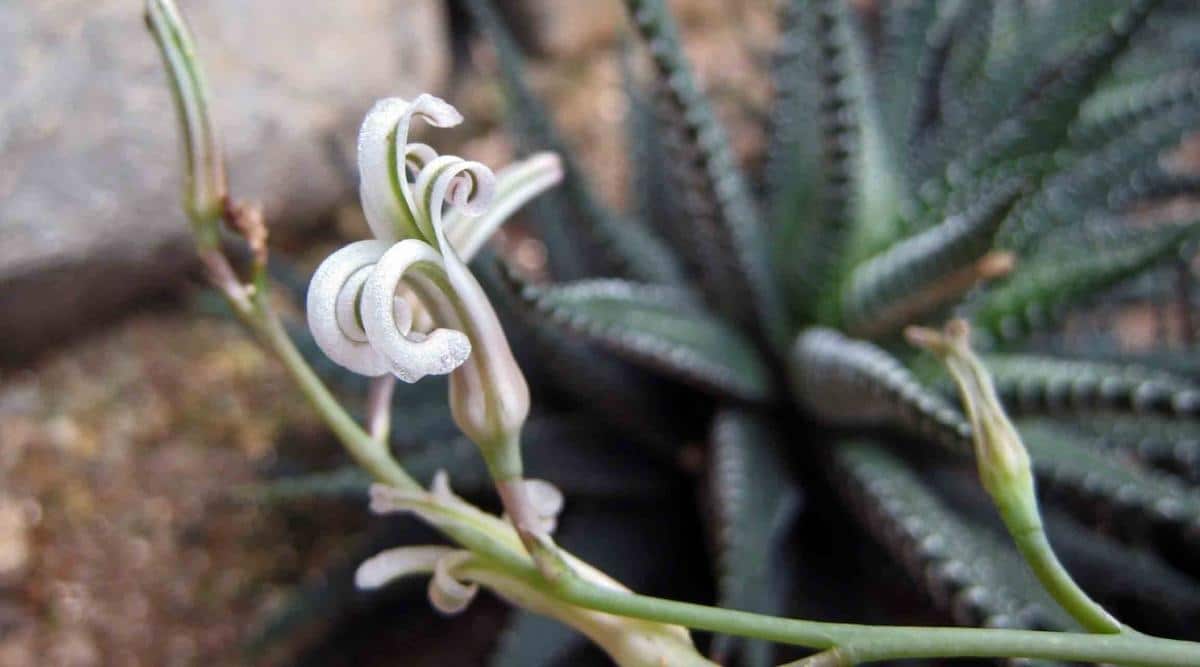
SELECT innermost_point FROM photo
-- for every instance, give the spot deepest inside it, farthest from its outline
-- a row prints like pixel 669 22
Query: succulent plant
pixel 999 162
pixel 996 161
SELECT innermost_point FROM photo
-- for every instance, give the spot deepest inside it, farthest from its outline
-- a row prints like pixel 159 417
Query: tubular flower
pixel 405 303
pixel 456 575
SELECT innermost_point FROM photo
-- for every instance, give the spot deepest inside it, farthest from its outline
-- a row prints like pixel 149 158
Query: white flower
pixel 406 303
pixel 457 574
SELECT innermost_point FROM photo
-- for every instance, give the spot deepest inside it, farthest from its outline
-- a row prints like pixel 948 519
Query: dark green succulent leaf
pixel 656 203
pixel 582 457
pixel 1117 109
pixel 578 455
pixel 662 327
pixel 1082 189
pixel 1039 384
pixel 1166 443
pixel 1043 115
pixel 1151 184
pixel 861 191
pixel 1063 273
pixel 853 382
pixel 906 57
pixel 754 497
pixel 968 569
pixel 1022 39
pixel 915 276
pixel 880 191
pixel 794 178
pixel 722 234
pixel 637 402
pixel 1105 485
pixel 627 249
pixel 825 244
pixel 971 48
pixel 940 113
pixel 1168 43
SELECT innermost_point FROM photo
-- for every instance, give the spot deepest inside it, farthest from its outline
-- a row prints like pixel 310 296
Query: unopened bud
pixel 1004 466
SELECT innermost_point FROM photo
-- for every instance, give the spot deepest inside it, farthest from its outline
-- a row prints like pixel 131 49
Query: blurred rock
pixel 89 181
pixel 14 539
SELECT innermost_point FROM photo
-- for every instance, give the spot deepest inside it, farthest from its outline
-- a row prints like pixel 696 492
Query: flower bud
pixel 1003 462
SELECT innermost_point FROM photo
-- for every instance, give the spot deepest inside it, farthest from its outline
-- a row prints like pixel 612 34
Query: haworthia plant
pixel 996 159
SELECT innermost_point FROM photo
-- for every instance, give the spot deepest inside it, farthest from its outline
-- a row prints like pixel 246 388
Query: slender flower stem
pixel 371 454
pixel 1040 556
pixel 867 643
pixel 1007 474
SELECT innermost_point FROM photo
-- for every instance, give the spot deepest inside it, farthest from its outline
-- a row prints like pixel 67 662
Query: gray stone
pixel 89 161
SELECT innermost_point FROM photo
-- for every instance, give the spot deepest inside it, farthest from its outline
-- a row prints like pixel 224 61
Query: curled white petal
pixel 409 357
pixel 546 498
pixel 447 594
pixel 392 564
pixel 516 184
pixel 417 155
pixel 533 504
pixel 466 186
pixel 382 155
pixel 332 287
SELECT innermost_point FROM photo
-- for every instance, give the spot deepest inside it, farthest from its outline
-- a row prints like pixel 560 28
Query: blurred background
pixel 132 409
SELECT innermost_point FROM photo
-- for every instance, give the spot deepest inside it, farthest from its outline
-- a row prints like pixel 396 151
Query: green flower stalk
pixel 1005 469
pixel 204 190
